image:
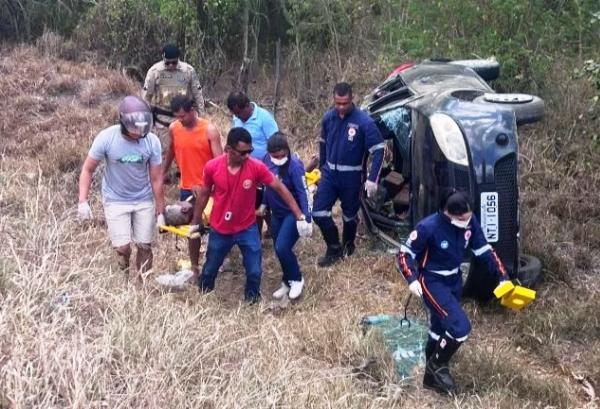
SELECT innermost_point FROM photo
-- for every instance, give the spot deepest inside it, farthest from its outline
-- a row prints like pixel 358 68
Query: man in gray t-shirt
pixel 132 188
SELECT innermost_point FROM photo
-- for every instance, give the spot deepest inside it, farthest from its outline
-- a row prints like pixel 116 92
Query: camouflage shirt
pixel 161 85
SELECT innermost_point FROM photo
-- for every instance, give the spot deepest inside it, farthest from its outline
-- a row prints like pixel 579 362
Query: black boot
pixel 348 236
pixel 429 348
pixel 332 256
pixel 334 249
pixel 437 374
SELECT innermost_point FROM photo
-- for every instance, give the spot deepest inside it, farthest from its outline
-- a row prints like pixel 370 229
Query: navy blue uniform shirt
pixel 294 180
pixel 436 246
pixel 345 141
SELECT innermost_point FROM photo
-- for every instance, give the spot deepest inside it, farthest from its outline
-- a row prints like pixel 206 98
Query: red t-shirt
pixel 234 195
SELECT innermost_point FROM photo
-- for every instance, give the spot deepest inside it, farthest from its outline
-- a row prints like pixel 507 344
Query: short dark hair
pixel 237 99
pixel 342 89
pixel 237 135
pixel 181 102
pixel 171 51
pixel 278 142
pixel 455 201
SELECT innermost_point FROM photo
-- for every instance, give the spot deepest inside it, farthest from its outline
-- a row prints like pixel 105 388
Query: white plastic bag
pixel 177 280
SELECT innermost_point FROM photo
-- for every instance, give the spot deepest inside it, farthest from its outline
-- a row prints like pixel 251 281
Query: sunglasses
pixel 171 62
pixel 246 152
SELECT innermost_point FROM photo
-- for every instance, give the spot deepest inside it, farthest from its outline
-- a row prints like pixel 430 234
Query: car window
pixel 398 122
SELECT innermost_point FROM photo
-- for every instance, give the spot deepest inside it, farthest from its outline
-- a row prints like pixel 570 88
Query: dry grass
pixel 74 333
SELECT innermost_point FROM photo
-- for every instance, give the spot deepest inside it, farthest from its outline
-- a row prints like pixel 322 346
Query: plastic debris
pixel 403 337
pixel 176 281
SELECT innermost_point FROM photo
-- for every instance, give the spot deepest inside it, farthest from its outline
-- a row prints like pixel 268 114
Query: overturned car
pixel 446 127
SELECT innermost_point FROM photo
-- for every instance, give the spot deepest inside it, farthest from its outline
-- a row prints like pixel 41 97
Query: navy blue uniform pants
pixel 442 297
pixel 335 185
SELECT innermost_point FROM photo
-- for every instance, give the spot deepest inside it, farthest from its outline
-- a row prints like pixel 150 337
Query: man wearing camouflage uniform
pixel 168 78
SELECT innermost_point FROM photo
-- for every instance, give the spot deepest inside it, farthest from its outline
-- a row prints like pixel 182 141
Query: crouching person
pixel 132 188
pixel 289 170
pixel 232 179
pixel 430 262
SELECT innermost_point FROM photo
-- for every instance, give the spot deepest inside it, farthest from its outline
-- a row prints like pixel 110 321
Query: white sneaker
pixel 296 289
pixel 282 291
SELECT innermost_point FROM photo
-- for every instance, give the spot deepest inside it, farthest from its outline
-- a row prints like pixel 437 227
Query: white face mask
pixel 279 162
pixel 461 224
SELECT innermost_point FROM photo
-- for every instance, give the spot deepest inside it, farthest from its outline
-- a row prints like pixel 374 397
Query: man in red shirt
pixel 232 179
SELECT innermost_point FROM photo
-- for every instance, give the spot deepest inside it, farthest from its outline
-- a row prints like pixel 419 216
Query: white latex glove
pixel 371 188
pixel 304 228
pixel 196 231
pixel 262 210
pixel 160 220
pixel 415 288
pixel 84 211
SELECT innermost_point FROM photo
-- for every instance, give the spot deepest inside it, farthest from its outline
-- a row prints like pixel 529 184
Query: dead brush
pixel 63 85
pixel 576 321
pixel 75 333
pixel 484 371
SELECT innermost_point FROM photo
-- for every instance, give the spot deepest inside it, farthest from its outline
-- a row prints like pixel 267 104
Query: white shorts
pixel 130 222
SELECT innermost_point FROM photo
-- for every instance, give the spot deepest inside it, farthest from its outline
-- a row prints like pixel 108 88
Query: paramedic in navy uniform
pixel 347 135
pixel 430 262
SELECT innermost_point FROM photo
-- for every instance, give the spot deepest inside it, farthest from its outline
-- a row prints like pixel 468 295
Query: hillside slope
pixel 74 333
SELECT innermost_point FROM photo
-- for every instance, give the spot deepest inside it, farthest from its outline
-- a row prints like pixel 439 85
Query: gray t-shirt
pixel 126 177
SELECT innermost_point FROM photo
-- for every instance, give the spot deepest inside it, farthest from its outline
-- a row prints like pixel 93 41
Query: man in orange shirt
pixel 194 141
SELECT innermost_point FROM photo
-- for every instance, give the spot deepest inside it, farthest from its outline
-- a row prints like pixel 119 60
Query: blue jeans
pixel 219 246
pixel 285 235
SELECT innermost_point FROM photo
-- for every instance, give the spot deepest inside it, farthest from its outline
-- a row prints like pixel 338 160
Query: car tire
pixel 528 108
pixel 530 271
pixel 488 69
pixel 480 283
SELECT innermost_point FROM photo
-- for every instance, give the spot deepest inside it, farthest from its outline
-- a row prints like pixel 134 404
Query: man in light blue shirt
pixel 256 120
pixel 261 125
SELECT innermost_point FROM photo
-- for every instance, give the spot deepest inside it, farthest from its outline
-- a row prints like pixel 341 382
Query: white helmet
pixel 135 116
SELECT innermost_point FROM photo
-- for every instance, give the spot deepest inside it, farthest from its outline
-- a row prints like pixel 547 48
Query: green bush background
pixel 526 36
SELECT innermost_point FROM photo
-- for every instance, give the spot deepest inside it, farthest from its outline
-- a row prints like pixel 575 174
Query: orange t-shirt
pixel 192 151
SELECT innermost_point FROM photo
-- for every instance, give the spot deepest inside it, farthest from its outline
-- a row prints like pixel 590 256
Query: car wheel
pixel 480 283
pixel 530 271
pixel 528 108
pixel 488 69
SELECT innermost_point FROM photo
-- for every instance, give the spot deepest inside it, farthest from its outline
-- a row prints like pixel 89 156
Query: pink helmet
pixel 135 116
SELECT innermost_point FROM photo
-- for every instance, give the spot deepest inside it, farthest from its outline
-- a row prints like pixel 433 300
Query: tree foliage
pixel 524 35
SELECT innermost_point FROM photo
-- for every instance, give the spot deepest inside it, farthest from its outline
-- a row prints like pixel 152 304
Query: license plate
pixel 489 216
